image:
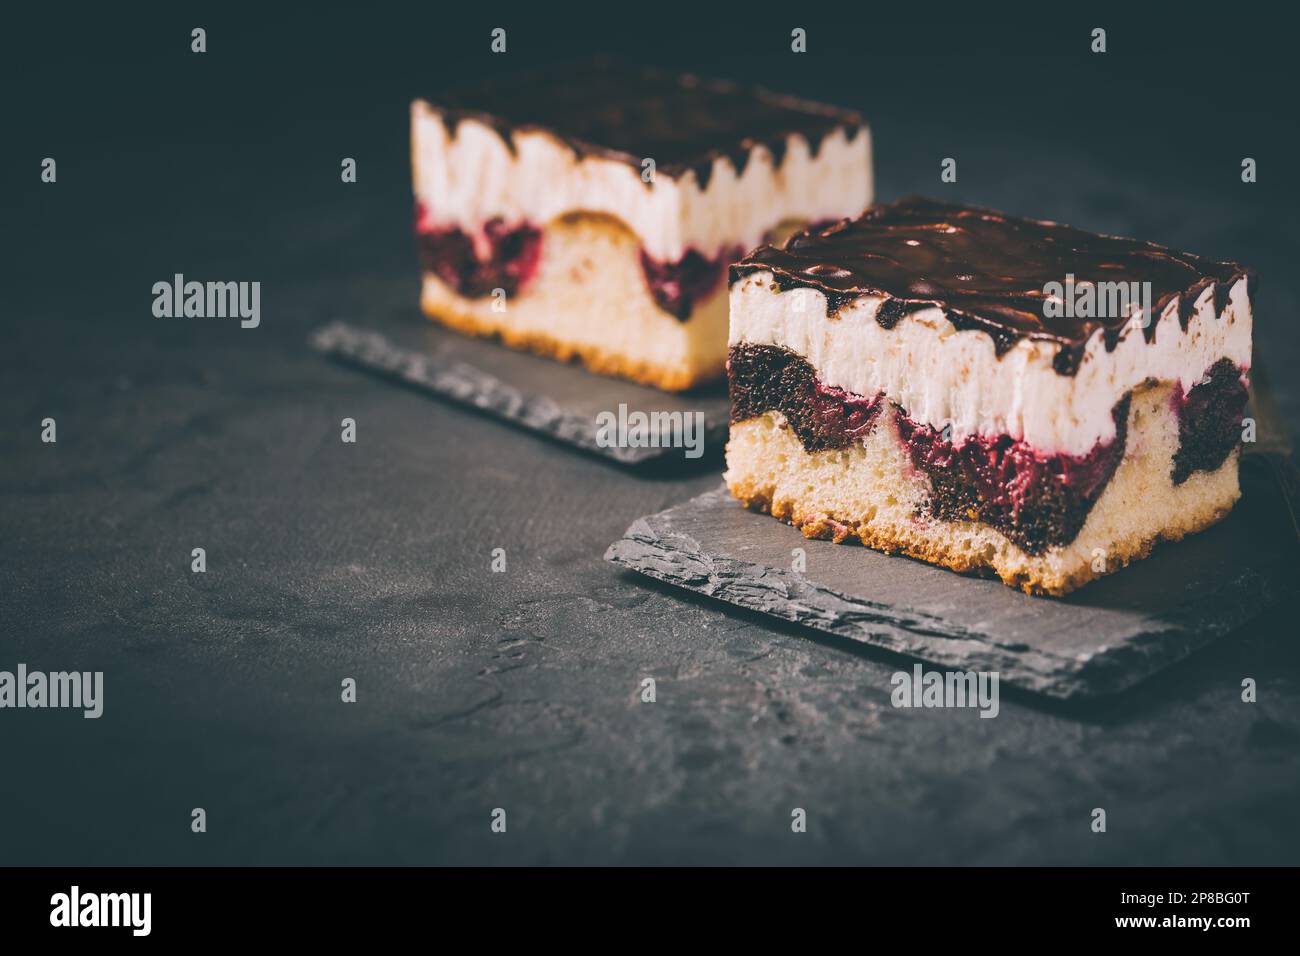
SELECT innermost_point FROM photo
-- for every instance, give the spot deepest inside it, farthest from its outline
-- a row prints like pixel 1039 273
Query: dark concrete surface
pixel 616 419
pixel 520 690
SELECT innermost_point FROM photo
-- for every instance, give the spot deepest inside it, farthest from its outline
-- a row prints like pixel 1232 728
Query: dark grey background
pixel 519 690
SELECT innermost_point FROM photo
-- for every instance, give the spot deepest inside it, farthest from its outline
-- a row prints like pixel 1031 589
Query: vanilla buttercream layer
pixel 588 299
pixel 945 377
pixel 871 492
pixel 473 176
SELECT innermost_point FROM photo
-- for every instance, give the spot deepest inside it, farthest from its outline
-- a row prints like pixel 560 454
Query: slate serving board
pixel 552 398
pixel 1102 639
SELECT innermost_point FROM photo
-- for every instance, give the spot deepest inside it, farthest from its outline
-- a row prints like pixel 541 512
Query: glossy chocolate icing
pixel 986 270
pixel 607 108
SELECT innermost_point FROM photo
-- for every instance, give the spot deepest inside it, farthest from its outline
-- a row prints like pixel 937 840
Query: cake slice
pixel 591 212
pixel 987 393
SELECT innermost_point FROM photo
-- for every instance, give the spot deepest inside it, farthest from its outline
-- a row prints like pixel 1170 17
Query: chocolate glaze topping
pixel 986 270
pixel 605 108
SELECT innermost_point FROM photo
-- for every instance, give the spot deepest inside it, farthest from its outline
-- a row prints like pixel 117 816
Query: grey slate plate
pixel 1102 639
pixel 555 399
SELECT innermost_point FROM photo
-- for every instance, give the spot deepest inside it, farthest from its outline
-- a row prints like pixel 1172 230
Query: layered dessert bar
pixel 591 212
pixel 987 393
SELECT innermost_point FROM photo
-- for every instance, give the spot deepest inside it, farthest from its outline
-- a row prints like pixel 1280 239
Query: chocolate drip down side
pixel 987 272
pixel 601 107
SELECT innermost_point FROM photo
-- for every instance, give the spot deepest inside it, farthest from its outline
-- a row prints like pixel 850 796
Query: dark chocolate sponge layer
pixel 764 378
pixel 986 270
pixel 607 108
pixel 1209 421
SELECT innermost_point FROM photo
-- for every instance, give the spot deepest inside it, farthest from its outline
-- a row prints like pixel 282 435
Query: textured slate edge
pixel 470 385
pixel 1175 635
pixel 652 548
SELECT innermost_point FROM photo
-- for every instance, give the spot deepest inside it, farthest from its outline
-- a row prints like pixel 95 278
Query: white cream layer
pixel 943 376
pixel 472 177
